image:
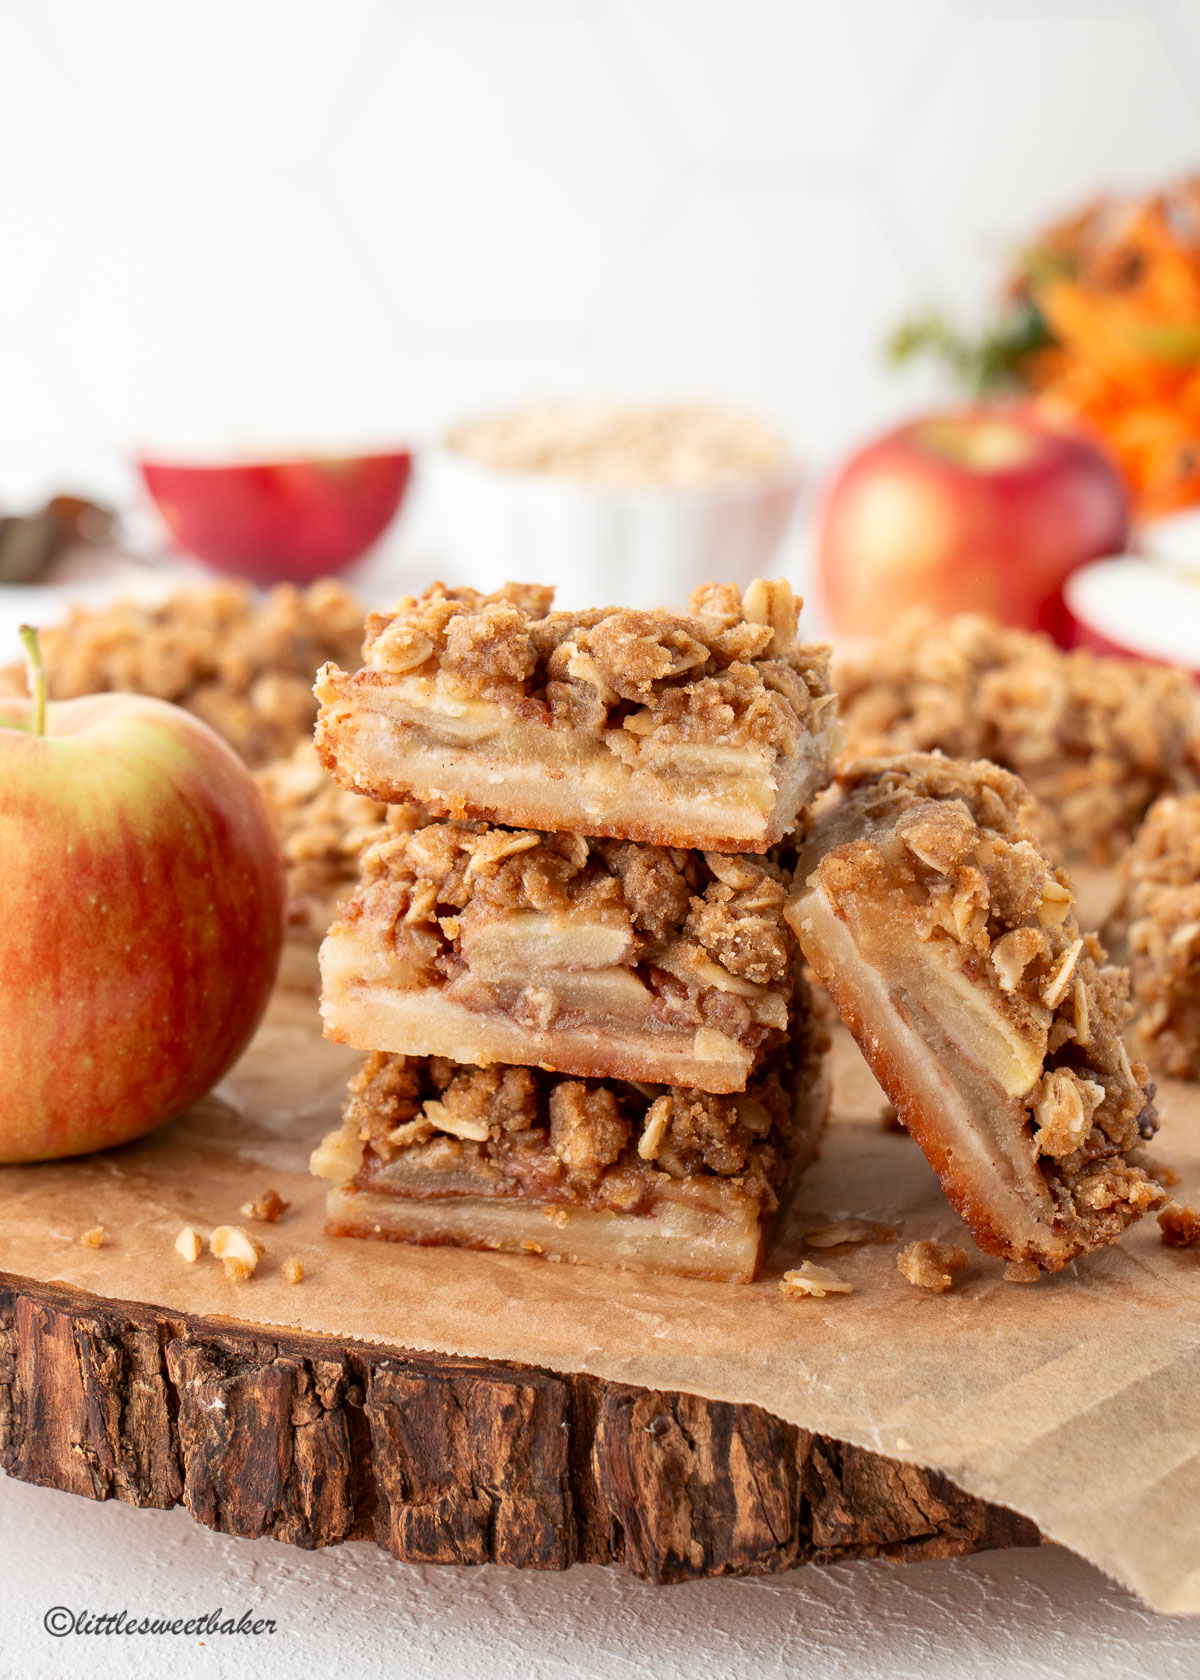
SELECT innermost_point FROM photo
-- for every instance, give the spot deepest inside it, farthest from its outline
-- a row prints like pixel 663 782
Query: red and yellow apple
pixel 975 510
pixel 141 919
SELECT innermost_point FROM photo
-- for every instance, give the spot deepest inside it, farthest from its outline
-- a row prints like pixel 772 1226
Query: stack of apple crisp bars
pixel 587 1035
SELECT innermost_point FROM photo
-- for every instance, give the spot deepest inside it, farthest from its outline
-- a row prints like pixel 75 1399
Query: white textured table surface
pixel 1023 1615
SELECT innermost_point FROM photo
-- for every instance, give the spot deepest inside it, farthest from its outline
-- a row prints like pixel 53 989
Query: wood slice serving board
pixel 463 1407
pixel 315 1439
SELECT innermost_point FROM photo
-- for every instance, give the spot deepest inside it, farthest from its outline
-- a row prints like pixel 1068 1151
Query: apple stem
pixel 36 672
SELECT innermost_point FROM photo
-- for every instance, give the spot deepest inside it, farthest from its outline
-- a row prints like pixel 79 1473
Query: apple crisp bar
pixel 712 728
pixel 638 1176
pixel 592 957
pixel 244 665
pixel 1161 912
pixel 1094 740
pixel 948 943
pixel 322 829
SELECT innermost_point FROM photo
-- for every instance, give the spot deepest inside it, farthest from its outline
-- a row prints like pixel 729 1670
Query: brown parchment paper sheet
pixel 1075 1400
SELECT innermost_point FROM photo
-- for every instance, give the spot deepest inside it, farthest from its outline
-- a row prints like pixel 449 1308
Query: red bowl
pixel 279 521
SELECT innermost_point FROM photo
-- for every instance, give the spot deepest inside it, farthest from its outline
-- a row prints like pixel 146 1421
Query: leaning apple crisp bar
pixel 712 728
pixel 948 943
pixel 591 957
pixel 619 1173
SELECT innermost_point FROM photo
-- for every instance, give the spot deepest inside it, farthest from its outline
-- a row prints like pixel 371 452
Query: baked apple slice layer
pixel 712 728
pixel 632 1175
pixel 602 958
pixel 948 943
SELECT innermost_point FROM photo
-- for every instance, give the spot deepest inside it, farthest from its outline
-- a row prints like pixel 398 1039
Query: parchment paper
pixel 1075 1400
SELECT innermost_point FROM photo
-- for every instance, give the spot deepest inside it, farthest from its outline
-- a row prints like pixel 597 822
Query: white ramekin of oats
pixel 614 502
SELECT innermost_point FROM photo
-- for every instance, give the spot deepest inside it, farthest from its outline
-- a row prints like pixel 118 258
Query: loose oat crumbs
pixel 846 1231
pixel 93 1238
pixel 930 1264
pixel 1180 1226
pixel 266 1206
pixel 188 1244
pixel 293 1269
pixel 807 1279
pixel 238 1249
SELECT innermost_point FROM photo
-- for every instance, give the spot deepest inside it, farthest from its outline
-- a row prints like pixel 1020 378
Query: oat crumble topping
pixel 1095 740
pixel 246 667
pixel 1161 912
pixel 730 672
pixel 321 828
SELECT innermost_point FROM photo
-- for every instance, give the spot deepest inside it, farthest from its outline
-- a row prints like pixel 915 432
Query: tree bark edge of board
pixel 443 1460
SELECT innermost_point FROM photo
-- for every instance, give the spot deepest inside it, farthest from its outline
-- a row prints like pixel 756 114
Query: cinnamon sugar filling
pixel 587 956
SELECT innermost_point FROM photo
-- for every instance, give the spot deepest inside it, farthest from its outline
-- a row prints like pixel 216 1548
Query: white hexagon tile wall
pixel 294 219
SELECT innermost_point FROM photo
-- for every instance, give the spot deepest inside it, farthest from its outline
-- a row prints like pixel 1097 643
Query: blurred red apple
pixel 141 919
pixel 287 521
pixel 984 510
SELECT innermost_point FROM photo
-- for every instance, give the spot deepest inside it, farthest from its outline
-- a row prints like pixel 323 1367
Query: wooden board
pixel 313 1441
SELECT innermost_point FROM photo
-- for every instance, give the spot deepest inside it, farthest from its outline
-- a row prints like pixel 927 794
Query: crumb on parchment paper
pixel 93 1238
pixel 846 1231
pixel 293 1269
pixel 1180 1226
pixel 189 1244
pixel 929 1264
pixel 237 1249
pixel 819 1281
pixel 266 1207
